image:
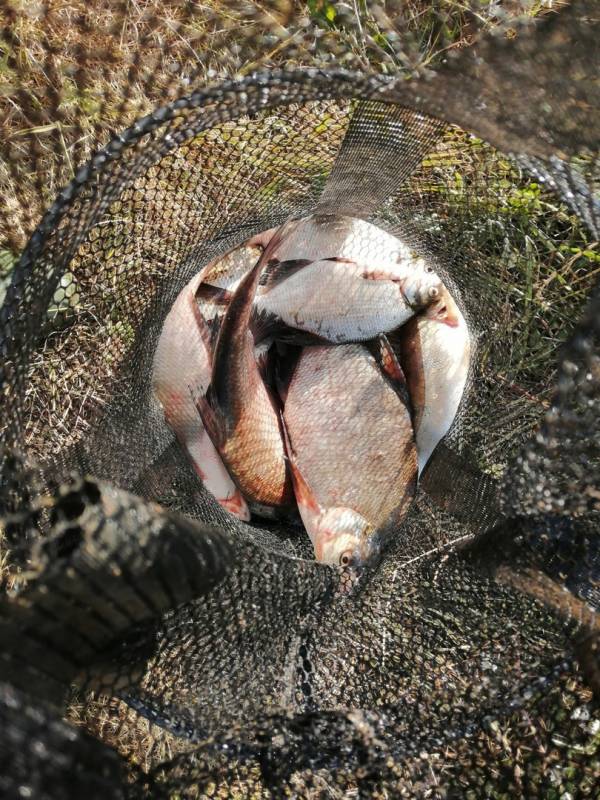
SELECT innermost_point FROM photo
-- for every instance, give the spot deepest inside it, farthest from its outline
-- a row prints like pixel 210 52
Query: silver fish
pixel 351 447
pixel 342 279
pixel 240 413
pixel 181 372
pixel 434 349
pixel 183 364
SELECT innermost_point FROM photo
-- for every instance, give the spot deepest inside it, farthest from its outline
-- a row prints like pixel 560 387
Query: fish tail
pixel 214 294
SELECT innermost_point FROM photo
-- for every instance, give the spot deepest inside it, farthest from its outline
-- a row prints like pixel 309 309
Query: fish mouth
pixel 443 310
pixel 346 550
pixel 447 316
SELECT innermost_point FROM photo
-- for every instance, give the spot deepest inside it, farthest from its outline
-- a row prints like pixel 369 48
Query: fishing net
pixel 152 645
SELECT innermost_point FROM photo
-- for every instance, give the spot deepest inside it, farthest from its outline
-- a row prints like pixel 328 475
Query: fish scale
pixel 385 282
pixel 352 448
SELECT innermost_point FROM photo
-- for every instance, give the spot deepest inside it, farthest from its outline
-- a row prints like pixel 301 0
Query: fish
pixel 434 349
pixel 240 412
pixel 182 369
pixel 341 279
pixel 351 447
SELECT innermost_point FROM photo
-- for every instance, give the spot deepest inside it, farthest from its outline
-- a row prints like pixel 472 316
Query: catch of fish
pixel 314 369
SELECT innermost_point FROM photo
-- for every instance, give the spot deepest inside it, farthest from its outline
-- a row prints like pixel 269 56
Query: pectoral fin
pixel 385 357
pixel 236 505
pixel 304 494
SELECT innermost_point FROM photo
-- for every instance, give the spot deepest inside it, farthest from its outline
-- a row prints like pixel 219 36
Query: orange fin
pixel 236 505
pixel 388 362
pixel 302 490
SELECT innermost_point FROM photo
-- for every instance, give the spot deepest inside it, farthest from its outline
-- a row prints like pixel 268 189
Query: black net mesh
pixel 151 643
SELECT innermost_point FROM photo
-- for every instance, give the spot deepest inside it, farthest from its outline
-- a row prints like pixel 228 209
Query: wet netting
pixel 151 644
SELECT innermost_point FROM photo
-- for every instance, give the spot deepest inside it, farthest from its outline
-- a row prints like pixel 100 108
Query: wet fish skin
pixel 384 281
pixel 181 372
pixel 240 412
pixel 183 364
pixel 352 452
pixel 434 349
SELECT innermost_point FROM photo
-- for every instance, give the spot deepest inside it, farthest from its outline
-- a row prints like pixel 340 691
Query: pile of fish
pixel 314 369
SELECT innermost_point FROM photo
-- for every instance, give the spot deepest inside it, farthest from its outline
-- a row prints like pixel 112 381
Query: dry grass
pixel 139 741
pixel 71 72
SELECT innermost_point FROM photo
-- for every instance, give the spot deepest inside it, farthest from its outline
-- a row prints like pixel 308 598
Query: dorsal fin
pixel 214 326
pixel 265 325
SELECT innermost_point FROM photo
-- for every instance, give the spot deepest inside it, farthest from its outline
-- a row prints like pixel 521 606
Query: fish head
pixel 422 285
pixel 344 537
pixel 444 310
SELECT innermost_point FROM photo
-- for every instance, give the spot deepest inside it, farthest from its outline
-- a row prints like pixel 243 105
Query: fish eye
pixel 346 559
pixel 433 292
pixel 429 268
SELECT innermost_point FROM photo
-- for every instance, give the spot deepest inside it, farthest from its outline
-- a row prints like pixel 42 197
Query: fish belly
pixel 445 357
pixel 181 372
